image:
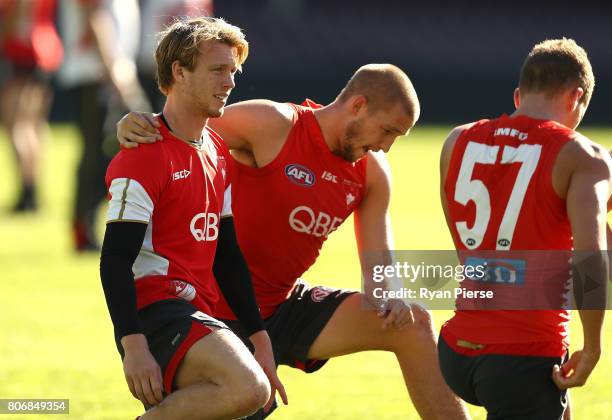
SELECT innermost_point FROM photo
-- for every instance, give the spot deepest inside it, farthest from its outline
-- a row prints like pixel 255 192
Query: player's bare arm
pixel 445 157
pixel 586 169
pixel 254 130
pixel 374 236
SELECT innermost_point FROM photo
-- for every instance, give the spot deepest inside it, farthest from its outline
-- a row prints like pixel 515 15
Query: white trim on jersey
pixel 129 202
pixel 148 263
pixel 227 202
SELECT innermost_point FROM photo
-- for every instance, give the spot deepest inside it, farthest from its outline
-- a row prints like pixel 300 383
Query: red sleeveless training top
pixel 284 211
pixel 500 197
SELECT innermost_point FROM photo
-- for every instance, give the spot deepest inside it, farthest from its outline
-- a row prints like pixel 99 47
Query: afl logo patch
pixel 300 175
pixel 503 242
pixel 319 293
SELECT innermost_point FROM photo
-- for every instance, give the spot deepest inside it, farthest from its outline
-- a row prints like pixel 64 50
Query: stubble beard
pixel 205 108
pixel 345 149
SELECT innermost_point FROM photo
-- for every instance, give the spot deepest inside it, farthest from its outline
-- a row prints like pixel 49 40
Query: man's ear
pixel 517 97
pixel 358 103
pixel 178 72
pixel 575 97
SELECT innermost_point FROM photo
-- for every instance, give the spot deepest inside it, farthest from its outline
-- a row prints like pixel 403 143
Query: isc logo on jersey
pixel 205 226
pixel 300 175
pixel 184 174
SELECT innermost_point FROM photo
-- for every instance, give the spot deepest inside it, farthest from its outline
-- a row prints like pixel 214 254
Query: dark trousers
pixel 99 147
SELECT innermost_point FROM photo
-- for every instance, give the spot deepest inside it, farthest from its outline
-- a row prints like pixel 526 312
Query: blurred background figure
pixel 156 15
pixel 101 42
pixel 31 51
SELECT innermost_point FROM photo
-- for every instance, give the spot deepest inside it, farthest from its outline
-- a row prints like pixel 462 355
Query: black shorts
pixel 172 327
pixel 297 322
pixel 509 387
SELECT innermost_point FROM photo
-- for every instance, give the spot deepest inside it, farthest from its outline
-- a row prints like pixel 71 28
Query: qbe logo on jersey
pixel 303 219
pixel 300 175
pixel 205 226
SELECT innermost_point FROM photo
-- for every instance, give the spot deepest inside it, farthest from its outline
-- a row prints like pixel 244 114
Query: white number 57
pixel 468 189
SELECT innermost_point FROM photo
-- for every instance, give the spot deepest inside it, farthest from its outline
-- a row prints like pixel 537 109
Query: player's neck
pixel 185 124
pixel 541 108
pixel 328 118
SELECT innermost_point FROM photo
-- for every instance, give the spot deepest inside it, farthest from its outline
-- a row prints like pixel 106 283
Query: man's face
pixel 212 79
pixel 372 131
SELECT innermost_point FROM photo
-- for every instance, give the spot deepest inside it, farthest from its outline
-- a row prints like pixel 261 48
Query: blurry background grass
pixel 56 336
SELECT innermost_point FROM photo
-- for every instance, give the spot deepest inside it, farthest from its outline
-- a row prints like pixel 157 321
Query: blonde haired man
pixel 169 222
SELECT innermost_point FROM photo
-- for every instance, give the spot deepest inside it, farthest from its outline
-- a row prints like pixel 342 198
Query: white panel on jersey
pixel 227 202
pixel 129 202
pixel 468 189
pixel 528 155
pixel 148 263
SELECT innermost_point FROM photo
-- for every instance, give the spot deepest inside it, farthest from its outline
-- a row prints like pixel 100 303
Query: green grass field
pixel 57 337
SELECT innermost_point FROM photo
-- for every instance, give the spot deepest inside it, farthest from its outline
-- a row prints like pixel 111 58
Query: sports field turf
pixel 56 336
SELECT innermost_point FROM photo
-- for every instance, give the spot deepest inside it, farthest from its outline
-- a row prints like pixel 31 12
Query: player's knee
pixel 250 393
pixel 419 334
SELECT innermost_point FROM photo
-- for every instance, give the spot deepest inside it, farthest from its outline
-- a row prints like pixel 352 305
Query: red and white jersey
pixel 180 192
pixel 500 197
pixel 284 211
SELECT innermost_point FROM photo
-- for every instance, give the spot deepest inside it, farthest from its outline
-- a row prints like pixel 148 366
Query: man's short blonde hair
pixel 383 86
pixel 181 42
pixel 555 65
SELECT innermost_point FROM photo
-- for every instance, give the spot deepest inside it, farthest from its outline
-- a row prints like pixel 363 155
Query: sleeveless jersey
pixel 180 192
pixel 500 197
pixel 284 211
